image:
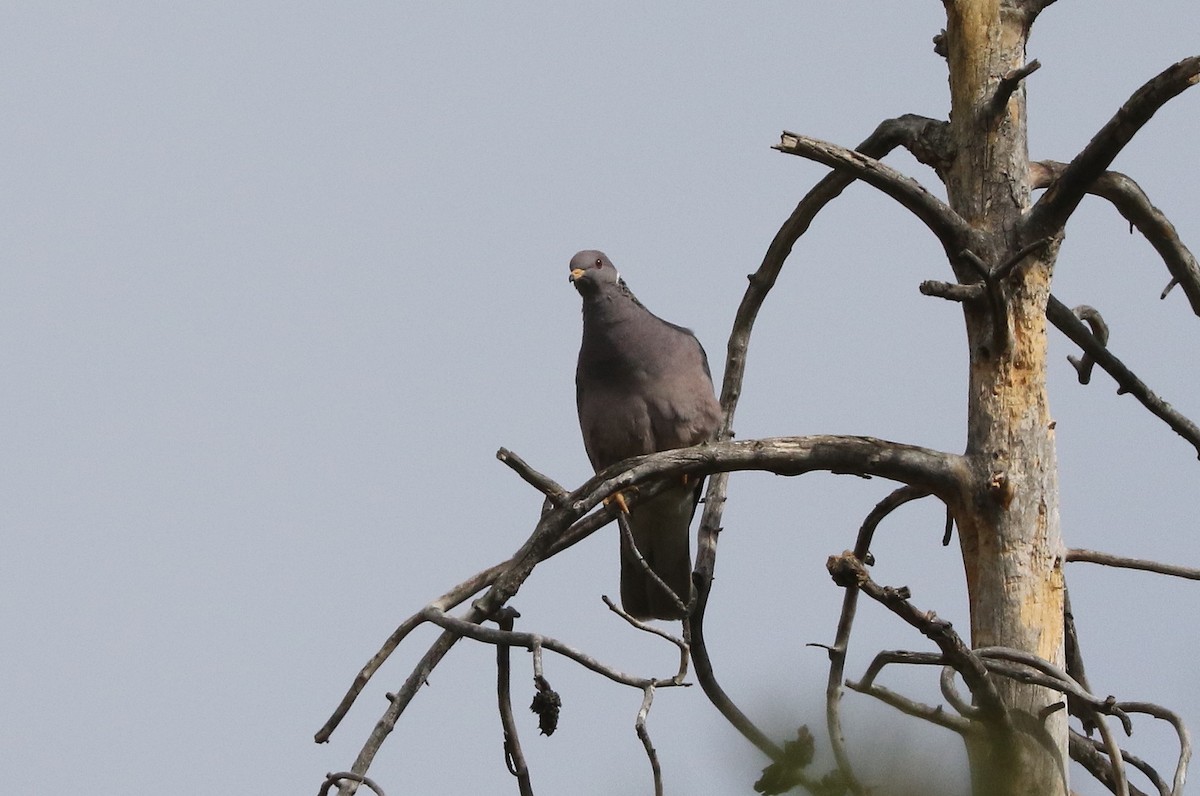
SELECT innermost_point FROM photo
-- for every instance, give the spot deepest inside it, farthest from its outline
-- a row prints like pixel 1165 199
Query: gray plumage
pixel 642 385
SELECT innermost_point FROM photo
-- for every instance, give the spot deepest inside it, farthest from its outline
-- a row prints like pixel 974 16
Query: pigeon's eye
pixel 599 263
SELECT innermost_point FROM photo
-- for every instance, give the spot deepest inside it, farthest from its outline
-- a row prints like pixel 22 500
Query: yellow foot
pixel 619 499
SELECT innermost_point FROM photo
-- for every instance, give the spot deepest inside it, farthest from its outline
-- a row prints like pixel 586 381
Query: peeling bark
pixel 1009 531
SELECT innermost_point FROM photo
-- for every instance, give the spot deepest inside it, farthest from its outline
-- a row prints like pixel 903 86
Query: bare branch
pixel 1090 754
pixel 1016 258
pixel 481 580
pixel 1092 317
pixel 1181 731
pixel 921 136
pixel 1010 83
pixel 935 715
pixel 1120 785
pixel 946 684
pixel 345 776
pixel 1049 215
pixel 1059 315
pixel 954 233
pixel 939 473
pixel 682 644
pixel 389 646
pixel 997 305
pixel 841 642
pixel 1044 673
pixel 965 294
pixel 1109 560
pixel 531 641
pixel 514 758
pixel 398 702
pixel 630 546
pixel 1031 9
pixel 644 735
pixel 1074 660
pixel 848 570
pixel 707 679
pixel 1133 204
pixel 542 483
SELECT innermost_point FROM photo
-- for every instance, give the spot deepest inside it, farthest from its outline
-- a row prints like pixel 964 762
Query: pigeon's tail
pixel 660 529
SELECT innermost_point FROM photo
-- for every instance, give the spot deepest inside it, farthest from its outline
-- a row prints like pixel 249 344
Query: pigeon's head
pixel 592 272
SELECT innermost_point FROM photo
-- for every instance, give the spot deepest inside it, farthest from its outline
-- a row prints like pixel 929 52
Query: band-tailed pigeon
pixel 642 385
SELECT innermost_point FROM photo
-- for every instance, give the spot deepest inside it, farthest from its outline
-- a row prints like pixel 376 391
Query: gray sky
pixel 279 278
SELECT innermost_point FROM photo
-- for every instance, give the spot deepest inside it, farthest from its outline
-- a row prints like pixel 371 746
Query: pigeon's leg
pixel 619 499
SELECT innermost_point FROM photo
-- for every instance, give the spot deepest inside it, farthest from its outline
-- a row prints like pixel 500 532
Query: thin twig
pixel 1181 731
pixel 1109 560
pixel 1115 758
pixel 1090 754
pixel 629 547
pixel 682 644
pixel 935 715
pixel 644 735
pixel 514 758
pixel 841 642
pixel 532 641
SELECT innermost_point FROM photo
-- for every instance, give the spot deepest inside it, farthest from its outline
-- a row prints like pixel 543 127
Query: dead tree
pixel 1021 665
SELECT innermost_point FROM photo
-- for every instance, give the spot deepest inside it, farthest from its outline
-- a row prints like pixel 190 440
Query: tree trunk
pixel 1009 527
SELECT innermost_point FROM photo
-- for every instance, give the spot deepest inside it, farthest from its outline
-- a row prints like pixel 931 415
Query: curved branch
pixel 920 135
pixel 841 642
pixel 346 776
pixel 1062 317
pixel 848 570
pixel 468 588
pixel 925 138
pixel 514 757
pixel 707 679
pixel 1181 731
pixel 530 641
pixel 937 715
pixel 943 474
pixel 934 715
pixel 1092 317
pixel 1133 204
pixel 1049 215
pixel 1091 755
pixel 949 228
